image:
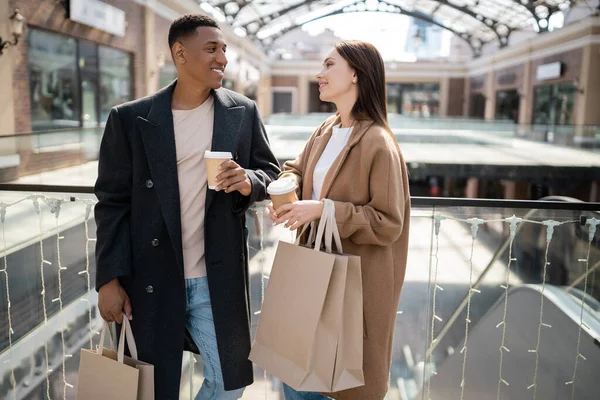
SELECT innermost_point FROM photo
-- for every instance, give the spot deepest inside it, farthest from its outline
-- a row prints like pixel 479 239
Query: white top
pixel 193 136
pixel 339 139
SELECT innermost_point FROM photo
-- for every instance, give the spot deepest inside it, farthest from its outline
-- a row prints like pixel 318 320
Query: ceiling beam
pixel 467 37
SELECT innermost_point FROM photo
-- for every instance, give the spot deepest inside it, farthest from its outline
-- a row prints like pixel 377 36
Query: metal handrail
pixel 558 203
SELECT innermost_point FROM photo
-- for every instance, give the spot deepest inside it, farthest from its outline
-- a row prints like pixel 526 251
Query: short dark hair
pixel 187 24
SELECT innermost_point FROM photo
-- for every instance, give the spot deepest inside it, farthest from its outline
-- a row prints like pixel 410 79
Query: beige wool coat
pixel 368 183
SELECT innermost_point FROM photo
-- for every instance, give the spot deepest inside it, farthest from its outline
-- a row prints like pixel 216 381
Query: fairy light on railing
pixel 513 221
pixel 550 225
pixel 86 272
pixel 55 207
pixel 43 261
pixel 11 332
pixel 475 222
pixel 592 227
pixel 438 221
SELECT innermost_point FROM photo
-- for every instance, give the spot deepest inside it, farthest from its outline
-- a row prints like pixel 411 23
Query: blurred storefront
pixel 77 66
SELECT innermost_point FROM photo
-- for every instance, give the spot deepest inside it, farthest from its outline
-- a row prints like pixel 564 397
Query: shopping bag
pixel 299 330
pixel 106 374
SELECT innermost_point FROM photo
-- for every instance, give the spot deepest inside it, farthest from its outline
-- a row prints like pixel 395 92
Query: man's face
pixel 202 57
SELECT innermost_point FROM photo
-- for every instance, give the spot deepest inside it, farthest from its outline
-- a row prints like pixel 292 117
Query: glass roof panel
pixel 485 20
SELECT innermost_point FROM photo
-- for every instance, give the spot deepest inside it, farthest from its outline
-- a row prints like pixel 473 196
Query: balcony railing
pixel 501 298
pixel 24 155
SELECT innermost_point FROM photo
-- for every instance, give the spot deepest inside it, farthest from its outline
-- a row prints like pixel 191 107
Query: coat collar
pixel 158 135
pixel 319 146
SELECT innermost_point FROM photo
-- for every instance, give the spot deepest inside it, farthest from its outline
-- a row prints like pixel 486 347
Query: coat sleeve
pixel 262 169
pixel 380 221
pixel 112 212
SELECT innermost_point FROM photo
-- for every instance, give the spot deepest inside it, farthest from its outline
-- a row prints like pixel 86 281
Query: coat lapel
pixel 319 147
pixel 226 129
pixel 158 136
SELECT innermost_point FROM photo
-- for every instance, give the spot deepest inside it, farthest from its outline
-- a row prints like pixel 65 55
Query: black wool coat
pixel 139 231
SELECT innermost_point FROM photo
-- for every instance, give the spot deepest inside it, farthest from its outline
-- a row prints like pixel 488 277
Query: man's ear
pixel 178 52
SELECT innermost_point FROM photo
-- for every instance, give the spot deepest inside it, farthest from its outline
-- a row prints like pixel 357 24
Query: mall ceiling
pixel 477 22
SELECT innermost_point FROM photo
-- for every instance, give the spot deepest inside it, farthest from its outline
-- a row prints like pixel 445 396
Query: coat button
pixel 155 242
pixel 242 258
pixel 149 289
pixel 149 184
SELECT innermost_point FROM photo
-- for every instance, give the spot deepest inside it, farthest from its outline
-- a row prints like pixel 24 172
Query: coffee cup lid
pixel 281 186
pixel 217 154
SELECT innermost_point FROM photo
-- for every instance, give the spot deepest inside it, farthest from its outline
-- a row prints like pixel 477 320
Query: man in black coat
pixel 171 254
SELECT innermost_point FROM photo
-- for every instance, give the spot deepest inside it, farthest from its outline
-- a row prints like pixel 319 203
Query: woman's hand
pixel 297 213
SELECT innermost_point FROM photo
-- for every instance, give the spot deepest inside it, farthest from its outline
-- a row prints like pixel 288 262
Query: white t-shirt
pixel 339 139
pixel 193 136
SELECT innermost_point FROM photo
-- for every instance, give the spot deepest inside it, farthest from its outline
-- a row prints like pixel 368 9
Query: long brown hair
pixel 365 59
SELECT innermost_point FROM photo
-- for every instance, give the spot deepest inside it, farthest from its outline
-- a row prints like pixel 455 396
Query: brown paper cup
pixel 281 199
pixel 282 191
pixel 213 160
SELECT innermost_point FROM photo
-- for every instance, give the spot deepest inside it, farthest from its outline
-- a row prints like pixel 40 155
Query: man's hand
pixel 233 177
pixel 113 302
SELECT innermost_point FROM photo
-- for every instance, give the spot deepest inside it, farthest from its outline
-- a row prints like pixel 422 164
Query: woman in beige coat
pixel 354 160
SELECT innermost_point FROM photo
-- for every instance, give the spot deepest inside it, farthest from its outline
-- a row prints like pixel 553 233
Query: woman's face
pixel 336 79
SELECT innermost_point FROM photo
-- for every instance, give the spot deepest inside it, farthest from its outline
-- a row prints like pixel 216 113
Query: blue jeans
pixel 293 394
pixel 200 323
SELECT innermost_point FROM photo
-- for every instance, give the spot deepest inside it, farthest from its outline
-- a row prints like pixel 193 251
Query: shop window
pixel 75 83
pixel 416 100
pixel 477 106
pixel 115 79
pixel 284 100
pixel 554 104
pixel 507 105
pixel 53 81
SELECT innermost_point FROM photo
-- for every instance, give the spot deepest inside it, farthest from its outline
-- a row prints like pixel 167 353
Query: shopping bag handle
pixel 112 335
pixel 126 334
pixel 331 229
pixel 311 236
pixel 326 230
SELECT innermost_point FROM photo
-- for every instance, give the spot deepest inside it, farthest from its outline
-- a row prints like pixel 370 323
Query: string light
pixel 475 222
pixel 11 332
pixel 592 227
pixel 54 205
pixel 437 224
pixel 513 221
pixel 550 225
pixel 86 272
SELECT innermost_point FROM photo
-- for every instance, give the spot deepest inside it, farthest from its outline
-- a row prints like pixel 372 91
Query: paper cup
pixel 213 160
pixel 282 191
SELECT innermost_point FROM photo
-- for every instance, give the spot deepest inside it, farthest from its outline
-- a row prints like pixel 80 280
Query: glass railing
pixel 72 154
pixel 443 129
pixel 500 300
pixel 33 153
